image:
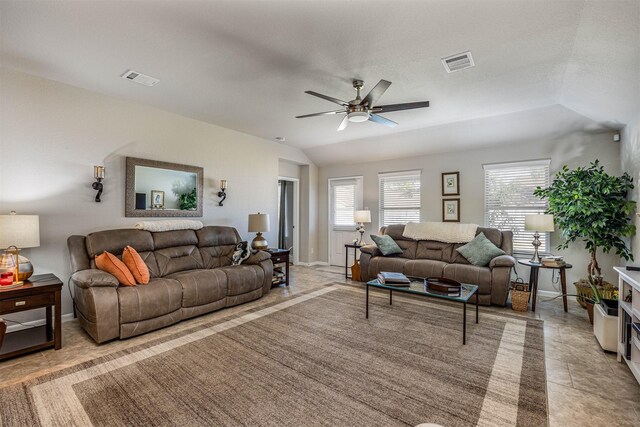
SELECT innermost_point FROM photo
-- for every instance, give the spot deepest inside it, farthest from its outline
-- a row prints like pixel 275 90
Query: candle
pixel 223 184
pixel 98 172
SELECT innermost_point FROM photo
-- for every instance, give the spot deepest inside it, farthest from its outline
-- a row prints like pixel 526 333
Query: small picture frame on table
pixel 450 210
pixel 157 199
pixel 451 183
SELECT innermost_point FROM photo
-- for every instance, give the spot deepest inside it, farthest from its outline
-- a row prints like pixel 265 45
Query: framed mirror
pixel 162 189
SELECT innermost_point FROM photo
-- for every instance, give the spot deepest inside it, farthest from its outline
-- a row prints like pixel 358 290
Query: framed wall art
pixel 450 210
pixel 451 183
pixel 157 199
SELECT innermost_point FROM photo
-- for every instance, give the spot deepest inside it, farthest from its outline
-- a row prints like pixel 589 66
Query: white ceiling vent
pixel 458 62
pixel 137 77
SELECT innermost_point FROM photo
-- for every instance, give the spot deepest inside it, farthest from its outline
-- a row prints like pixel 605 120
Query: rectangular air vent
pixel 137 77
pixel 458 62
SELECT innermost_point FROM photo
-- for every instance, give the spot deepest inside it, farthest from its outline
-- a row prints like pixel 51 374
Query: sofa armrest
pixel 371 250
pixel 257 258
pixel 94 278
pixel 502 261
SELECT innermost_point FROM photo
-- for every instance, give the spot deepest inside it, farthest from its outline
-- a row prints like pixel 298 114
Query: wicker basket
pixel 520 295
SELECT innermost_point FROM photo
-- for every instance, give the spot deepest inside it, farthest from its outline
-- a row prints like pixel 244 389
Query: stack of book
pixel 278 275
pixel 393 279
pixel 553 261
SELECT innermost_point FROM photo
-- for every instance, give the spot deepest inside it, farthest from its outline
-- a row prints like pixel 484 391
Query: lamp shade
pixel 362 216
pixel 258 223
pixel 22 231
pixel 538 222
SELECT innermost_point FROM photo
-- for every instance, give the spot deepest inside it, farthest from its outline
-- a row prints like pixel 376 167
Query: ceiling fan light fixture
pixel 358 116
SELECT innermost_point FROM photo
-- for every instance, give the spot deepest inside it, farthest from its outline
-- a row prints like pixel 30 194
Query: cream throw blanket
pixel 441 231
pixel 169 225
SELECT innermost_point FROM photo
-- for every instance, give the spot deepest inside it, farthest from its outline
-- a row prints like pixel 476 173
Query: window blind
pixel 345 200
pixel 508 197
pixel 399 198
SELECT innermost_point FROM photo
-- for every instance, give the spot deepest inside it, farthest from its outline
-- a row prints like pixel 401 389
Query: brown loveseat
pixel 191 274
pixel 427 258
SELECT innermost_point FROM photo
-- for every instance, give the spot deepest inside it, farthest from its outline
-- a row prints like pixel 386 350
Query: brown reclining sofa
pixel 428 258
pixel 191 274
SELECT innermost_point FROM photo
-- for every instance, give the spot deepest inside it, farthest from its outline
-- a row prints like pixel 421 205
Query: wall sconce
pixel 98 174
pixel 221 193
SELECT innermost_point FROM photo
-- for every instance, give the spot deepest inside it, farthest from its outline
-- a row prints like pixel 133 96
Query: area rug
pixel 311 360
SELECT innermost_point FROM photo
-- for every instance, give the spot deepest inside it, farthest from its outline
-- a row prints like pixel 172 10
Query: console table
pixel 629 319
pixel 41 291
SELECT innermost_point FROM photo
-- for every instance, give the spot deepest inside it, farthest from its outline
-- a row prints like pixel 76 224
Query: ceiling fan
pixel 361 110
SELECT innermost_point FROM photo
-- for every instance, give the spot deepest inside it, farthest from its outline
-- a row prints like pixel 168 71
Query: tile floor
pixel 586 386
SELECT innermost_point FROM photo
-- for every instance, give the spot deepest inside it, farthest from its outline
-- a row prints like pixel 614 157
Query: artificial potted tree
pixel 590 205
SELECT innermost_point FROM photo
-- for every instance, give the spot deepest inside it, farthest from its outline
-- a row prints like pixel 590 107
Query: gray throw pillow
pixel 480 251
pixel 386 244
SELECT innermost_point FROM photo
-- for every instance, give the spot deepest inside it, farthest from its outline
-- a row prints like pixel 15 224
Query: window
pixel 508 197
pixel 399 197
pixel 346 198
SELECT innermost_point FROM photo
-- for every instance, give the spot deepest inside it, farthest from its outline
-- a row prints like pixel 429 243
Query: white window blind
pixel 399 197
pixel 508 197
pixel 346 195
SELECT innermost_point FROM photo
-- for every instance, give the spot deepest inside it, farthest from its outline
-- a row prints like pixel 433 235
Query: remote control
pixel 632 268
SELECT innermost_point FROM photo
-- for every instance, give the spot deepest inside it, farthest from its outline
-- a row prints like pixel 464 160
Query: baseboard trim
pixel 552 294
pixel 313 264
pixel 12 327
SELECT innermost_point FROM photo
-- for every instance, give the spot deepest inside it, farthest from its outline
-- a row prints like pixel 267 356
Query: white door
pixel 345 197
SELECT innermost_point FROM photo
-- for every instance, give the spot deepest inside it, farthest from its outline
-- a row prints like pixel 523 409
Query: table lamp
pixel 361 217
pixel 538 223
pixel 259 223
pixel 19 232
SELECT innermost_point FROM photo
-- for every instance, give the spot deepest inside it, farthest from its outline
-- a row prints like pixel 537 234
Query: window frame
pixel 408 173
pixel 541 163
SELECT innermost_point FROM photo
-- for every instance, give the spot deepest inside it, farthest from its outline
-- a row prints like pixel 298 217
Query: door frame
pixel 330 205
pixel 296 216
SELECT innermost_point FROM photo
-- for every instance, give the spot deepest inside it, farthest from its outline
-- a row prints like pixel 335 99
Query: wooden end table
pixel 41 291
pixel 533 280
pixel 280 256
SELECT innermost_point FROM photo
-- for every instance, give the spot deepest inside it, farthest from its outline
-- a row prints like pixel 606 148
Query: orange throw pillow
pixel 112 265
pixel 136 265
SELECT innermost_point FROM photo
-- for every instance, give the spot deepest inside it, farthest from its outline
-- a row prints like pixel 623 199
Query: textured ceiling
pixel 245 64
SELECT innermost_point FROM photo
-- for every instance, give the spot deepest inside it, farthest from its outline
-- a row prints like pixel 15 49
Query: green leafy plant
pixel 188 201
pixel 590 205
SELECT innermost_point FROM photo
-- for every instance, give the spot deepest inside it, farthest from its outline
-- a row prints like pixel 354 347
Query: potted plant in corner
pixel 591 206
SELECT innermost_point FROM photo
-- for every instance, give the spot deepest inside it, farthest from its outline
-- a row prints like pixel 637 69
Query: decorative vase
pixel 26 268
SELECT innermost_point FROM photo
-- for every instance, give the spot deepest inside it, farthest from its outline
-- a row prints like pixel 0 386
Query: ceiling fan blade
pixel 328 98
pixel 343 123
pixel 375 93
pixel 326 113
pixel 400 107
pixel 382 120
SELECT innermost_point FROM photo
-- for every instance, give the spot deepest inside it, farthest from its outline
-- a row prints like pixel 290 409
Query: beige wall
pixel 574 150
pixel 288 169
pixel 630 156
pixel 52 134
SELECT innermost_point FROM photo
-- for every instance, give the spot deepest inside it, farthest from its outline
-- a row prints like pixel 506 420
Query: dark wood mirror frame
pixel 130 189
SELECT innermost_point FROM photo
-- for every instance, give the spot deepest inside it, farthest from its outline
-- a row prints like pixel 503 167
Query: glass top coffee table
pixel 417 287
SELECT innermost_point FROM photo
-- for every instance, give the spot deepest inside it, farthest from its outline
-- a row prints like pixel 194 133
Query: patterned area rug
pixel 311 360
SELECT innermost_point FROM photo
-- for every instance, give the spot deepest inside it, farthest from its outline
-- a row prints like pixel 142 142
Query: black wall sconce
pixel 221 193
pixel 98 174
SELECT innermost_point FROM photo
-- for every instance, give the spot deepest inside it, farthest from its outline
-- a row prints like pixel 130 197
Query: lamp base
pixel 259 243
pixel 536 244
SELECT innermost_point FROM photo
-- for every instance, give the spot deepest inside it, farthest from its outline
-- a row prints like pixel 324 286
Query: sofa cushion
pixel 471 274
pixel 424 268
pixel 114 241
pixel 168 239
pixel 178 258
pixel 217 256
pixel 215 235
pixel 114 266
pixel 159 297
pixel 201 286
pixel 380 263
pixel 493 234
pixel 242 278
pixel 480 251
pixel 386 245
pixel 429 249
